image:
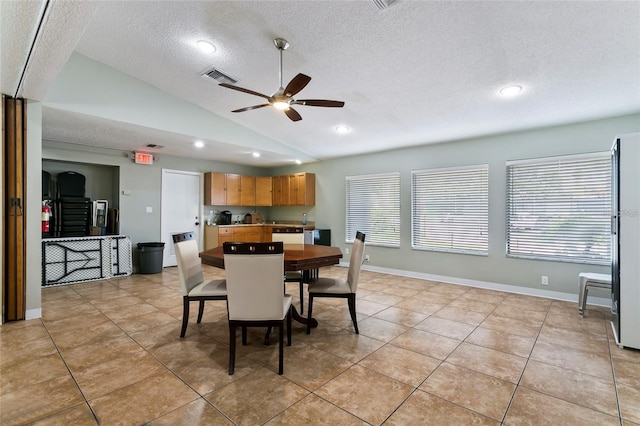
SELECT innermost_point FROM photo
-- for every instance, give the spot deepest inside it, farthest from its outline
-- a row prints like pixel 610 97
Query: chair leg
pixel 232 348
pixel 289 327
pixel 351 300
pixel 200 311
pixel 281 355
pixel 244 336
pixel 185 315
pixel 301 297
pixel 309 311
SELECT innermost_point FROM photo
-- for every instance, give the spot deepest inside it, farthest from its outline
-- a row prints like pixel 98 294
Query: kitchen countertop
pixel 308 226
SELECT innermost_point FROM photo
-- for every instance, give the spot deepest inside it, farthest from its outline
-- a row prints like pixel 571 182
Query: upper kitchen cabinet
pixel 264 191
pixel 247 191
pixel 215 189
pixel 294 190
pixel 302 189
pixel 221 189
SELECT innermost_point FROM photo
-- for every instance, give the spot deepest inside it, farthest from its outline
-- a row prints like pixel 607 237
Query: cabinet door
pixel 264 195
pixel 247 190
pixel 214 189
pixel 285 193
pixel 233 190
pixel 224 235
pixel 210 237
pixel 247 234
pixel 276 190
pixel 306 189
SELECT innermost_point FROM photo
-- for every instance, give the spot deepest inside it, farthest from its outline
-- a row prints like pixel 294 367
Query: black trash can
pixel 150 257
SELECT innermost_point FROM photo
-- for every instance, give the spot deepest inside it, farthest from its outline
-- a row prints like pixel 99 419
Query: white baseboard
pixel 556 295
pixel 33 313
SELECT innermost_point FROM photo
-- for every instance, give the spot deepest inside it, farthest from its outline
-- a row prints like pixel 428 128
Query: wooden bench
pixel 590 279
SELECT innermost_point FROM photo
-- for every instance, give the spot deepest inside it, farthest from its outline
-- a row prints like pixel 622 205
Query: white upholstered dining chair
pixel 293 276
pixel 255 296
pixel 194 287
pixel 340 287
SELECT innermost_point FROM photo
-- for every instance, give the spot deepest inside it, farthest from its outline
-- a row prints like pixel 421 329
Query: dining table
pixel 297 257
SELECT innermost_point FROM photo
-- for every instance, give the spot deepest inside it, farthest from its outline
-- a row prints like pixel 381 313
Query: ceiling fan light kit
pixel 282 99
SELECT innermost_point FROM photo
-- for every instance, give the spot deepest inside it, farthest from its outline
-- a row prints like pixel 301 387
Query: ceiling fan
pixel 282 99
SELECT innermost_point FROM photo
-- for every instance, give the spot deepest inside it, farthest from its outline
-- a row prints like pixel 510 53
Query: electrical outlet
pixel 346 251
pixel 544 280
pixel 366 258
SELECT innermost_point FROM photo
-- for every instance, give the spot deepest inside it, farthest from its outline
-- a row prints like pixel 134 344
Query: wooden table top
pixel 297 257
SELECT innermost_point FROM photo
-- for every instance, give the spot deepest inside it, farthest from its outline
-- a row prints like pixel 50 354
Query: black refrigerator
pixel 625 239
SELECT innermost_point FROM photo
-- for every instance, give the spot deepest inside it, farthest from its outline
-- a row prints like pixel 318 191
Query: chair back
pixel 357 254
pixel 254 280
pixel 189 264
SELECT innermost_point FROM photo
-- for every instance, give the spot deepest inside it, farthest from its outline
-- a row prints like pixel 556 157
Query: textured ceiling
pixel 418 72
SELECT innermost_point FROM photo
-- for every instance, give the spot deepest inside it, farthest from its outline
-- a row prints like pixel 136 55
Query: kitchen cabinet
pixel 210 237
pixel 241 234
pixel 264 191
pixel 247 191
pixel 302 189
pixel 215 189
pixel 281 191
pixel 226 189
pixel 225 234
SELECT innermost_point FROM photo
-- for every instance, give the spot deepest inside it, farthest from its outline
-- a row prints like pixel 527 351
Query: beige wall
pixel 329 212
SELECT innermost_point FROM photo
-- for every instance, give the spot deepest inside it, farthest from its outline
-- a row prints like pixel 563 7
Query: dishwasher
pixel 288 235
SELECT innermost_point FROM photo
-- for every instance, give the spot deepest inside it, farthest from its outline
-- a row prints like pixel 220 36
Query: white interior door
pixel 181 208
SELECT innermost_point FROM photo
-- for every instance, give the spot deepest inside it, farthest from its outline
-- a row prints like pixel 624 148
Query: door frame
pixel 164 220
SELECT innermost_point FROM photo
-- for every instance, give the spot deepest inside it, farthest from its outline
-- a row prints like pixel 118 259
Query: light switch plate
pixel 149 209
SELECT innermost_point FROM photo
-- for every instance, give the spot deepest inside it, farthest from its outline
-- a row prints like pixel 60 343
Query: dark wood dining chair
pixel 254 292
pixel 194 287
pixel 340 287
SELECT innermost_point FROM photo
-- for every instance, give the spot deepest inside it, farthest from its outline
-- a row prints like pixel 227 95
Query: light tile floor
pixel 108 352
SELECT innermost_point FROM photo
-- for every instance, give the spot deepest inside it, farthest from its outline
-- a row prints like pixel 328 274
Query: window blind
pixel 450 209
pixel 373 207
pixel 560 209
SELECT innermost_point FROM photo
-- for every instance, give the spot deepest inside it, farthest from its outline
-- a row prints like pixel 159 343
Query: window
pixel 560 208
pixel 373 207
pixel 450 209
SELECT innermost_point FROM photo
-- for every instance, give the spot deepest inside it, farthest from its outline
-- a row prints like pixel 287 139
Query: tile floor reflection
pixel 109 352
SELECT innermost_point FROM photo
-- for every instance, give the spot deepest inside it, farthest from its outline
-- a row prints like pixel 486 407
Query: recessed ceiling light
pixel 342 129
pixel 205 46
pixel 511 90
pixel 255 154
pixel 198 144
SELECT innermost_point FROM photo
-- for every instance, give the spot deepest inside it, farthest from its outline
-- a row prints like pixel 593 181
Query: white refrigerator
pixel 625 239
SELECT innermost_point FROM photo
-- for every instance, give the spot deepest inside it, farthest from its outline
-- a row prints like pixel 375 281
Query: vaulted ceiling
pixel 409 72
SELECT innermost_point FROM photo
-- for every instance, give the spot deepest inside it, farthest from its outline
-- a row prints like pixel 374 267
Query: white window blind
pixel 560 209
pixel 373 207
pixel 450 209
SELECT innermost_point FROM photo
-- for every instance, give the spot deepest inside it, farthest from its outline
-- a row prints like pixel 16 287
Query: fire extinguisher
pixel 46 216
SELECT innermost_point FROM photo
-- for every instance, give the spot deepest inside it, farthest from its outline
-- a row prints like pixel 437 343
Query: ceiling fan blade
pixel 319 103
pixel 242 89
pixel 293 114
pixel 296 84
pixel 250 108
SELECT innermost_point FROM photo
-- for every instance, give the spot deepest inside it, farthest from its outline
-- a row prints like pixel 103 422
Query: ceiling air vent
pixel 220 76
pixel 383 4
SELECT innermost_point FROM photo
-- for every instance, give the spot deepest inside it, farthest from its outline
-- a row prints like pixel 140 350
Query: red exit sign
pixel 144 158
